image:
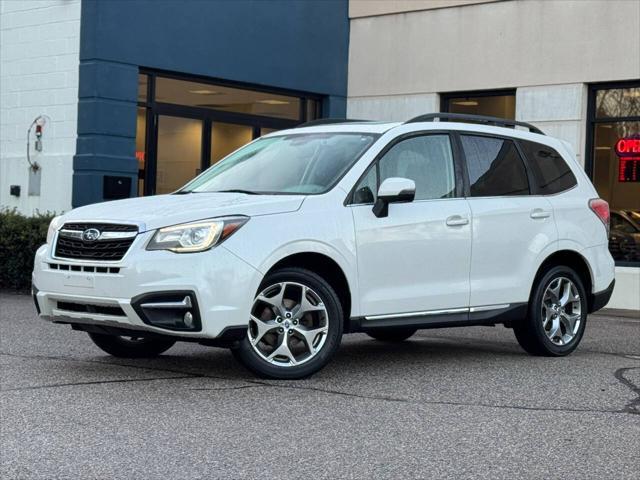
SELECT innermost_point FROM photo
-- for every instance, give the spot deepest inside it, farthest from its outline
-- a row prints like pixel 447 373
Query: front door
pixel 417 258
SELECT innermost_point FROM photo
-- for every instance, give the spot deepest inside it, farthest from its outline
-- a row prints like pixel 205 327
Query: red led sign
pixel 628 151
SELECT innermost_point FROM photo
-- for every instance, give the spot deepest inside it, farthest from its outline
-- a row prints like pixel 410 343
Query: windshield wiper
pixel 237 190
pixel 182 192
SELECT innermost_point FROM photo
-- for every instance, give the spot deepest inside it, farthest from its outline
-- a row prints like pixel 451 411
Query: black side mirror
pixel 393 190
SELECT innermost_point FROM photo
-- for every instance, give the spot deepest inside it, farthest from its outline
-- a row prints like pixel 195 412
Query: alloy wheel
pixel 561 311
pixel 288 325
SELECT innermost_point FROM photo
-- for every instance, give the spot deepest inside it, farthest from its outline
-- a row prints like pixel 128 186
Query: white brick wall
pixel 39 55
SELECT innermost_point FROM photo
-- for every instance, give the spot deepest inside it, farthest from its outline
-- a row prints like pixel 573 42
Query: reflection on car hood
pixel 164 210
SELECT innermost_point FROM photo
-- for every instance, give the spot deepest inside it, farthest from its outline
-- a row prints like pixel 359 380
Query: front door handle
pixel 540 213
pixel 457 220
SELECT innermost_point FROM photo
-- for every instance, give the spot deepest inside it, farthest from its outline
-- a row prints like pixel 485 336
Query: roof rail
pixel 498 122
pixel 330 121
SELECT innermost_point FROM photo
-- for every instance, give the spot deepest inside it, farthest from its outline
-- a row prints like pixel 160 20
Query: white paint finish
pixel 392 108
pixel 410 261
pixel 39 62
pixel 507 244
pixel 626 294
pixel 494 45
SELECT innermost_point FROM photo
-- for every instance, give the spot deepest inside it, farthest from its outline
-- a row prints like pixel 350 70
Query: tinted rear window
pixel 551 172
pixel 495 167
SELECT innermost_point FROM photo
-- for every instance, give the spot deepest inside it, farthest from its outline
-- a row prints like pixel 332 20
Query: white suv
pixel 331 228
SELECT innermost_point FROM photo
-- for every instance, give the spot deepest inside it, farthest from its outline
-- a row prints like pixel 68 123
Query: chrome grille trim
pixel 110 242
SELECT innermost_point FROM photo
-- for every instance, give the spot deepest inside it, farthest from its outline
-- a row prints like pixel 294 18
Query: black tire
pixel 245 353
pixel 392 334
pixel 125 347
pixel 530 332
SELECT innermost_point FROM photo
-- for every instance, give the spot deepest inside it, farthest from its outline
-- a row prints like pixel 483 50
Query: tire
pixel 535 334
pixel 130 347
pixel 289 337
pixel 392 334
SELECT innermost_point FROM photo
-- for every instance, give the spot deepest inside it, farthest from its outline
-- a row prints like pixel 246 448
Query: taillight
pixel 601 209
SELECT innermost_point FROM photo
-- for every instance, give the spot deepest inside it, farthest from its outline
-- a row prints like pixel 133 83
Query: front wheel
pixel 557 314
pixel 132 346
pixel 295 326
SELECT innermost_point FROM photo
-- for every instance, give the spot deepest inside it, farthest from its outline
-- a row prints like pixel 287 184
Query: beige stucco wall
pixel 365 8
pixel 494 45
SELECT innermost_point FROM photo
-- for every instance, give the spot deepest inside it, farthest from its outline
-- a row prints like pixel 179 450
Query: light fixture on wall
pixel 204 92
pixel 39 123
pixel 273 101
pixel 466 103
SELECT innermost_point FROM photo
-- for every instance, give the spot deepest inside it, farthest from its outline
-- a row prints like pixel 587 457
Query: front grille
pixel 101 249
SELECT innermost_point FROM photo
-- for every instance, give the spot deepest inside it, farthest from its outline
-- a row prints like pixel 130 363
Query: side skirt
pixel 458 317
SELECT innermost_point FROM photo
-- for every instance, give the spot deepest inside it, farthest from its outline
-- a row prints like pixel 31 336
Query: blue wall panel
pixel 291 44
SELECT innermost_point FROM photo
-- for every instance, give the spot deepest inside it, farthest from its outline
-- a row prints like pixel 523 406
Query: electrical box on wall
pixel 35 178
pixel 115 188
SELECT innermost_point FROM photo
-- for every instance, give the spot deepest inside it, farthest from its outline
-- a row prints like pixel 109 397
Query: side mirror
pixel 393 190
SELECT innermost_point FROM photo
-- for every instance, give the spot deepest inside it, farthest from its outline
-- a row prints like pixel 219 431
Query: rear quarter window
pixel 550 171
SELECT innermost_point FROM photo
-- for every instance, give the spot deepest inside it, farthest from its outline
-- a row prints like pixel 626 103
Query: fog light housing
pixel 174 310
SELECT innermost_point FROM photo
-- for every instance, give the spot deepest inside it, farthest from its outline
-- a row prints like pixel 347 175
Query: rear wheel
pixel 295 326
pixel 392 334
pixel 131 346
pixel 557 314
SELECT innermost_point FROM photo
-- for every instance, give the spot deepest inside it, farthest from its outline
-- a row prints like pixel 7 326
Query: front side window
pixel 305 163
pixel 427 160
pixel 495 167
pixel 551 172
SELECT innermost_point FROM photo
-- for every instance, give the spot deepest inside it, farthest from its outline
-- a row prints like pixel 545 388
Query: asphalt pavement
pixel 450 403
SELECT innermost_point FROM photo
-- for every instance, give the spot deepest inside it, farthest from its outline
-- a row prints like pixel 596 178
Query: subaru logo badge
pixel 91 235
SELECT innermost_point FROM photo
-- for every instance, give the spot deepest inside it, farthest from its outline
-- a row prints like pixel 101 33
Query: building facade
pixel 140 96
pixel 137 97
pixel 570 67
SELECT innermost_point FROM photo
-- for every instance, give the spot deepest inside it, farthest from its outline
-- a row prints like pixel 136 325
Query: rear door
pixel 417 258
pixel 510 226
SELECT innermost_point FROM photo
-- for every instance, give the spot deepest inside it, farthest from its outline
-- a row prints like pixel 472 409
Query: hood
pixel 164 210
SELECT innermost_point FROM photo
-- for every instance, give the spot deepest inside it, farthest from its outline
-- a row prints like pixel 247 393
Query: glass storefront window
pixel 226 137
pixel 141 141
pixel 179 152
pixel 618 102
pixel 493 104
pixel 194 124
pixel 615 157
pixel 169 90
pixel 143 82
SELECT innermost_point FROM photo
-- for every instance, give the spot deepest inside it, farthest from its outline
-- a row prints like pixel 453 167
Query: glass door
pixel 178 153
pixel 227 137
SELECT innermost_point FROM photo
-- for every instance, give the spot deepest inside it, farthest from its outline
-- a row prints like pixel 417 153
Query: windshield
pixel 303 163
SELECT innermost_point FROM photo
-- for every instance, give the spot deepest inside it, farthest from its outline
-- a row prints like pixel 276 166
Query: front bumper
pixel 222 285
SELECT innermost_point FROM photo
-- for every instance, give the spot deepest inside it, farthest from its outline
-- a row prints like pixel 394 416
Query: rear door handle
pixel 540 213
pixel 457 220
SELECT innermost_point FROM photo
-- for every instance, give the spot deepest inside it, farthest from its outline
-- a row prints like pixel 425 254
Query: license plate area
pixel 78 280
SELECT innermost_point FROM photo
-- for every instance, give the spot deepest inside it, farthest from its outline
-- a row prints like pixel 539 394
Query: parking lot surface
pixel 451 403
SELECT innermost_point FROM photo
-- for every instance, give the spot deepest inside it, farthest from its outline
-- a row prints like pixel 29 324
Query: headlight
pixel 196 236
pixel 53 228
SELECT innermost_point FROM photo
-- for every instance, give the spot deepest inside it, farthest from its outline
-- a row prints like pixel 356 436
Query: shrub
pixel 20 237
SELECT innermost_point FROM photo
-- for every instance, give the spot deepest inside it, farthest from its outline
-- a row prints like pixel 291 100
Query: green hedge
pixel 20 237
